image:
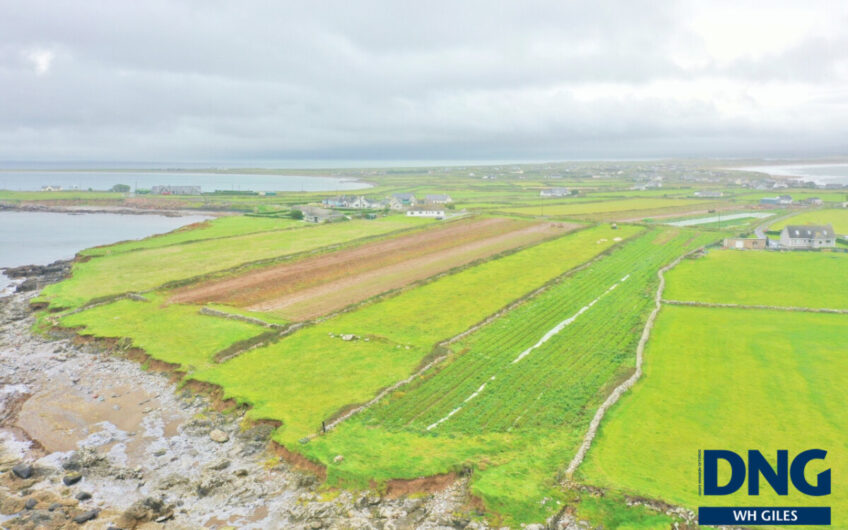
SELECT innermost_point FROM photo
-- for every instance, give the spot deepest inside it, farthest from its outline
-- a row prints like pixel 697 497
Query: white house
pixel 554 192
pixel 430 210
pixel 807 236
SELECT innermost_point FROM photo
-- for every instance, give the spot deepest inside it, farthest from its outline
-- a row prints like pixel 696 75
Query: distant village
pixel 435 205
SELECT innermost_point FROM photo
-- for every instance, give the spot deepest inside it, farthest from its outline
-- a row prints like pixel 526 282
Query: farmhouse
pixel 429 210
pixel 746 243
pixel 314 214
pixel 807 236
pixel 51 188
pixel 554 192
pixel 175 190
pixel 401 201
pixel 438 198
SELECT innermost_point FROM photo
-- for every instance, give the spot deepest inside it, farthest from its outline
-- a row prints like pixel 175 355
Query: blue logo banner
pixel 711 515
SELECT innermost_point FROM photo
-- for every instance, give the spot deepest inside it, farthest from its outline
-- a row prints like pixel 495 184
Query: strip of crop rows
pixel 486 389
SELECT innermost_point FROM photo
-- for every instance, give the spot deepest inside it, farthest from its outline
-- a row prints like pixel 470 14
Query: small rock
pixel 241 473
pixel 83 496
pixel 71 479
pixel 217 435
pixel 219 465
pixel 22 471
pixel 206 487
pixel 338 459
pixel 30 504
pixel 348 337
pixel 159 452
pixel 53 507
pixel 86 516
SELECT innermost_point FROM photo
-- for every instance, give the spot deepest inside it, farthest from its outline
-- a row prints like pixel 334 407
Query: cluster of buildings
pixel 792 237
pixel 175 190
pixel 432 205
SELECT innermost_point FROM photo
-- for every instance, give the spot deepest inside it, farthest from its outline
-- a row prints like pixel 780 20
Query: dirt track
pixel 319 285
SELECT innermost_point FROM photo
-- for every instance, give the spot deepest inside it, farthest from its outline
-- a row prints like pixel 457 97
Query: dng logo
pixel 756 470
pixel 777 477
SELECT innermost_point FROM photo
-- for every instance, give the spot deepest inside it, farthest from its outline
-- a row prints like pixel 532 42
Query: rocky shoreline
pixel 88 437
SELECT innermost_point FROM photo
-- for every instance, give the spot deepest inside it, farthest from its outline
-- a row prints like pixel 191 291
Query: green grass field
pixel 515 423
pixel 732 379
pixel 591 208
pixel 216 228
pixel 838 217
pixel 150 268
pixel 24 196
pixel 793 279
pixel 174 334
pixel 311 375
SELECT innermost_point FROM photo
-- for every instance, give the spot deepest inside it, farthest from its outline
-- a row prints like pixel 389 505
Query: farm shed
pixel 314 214
pixel 746 243
pixel 427 211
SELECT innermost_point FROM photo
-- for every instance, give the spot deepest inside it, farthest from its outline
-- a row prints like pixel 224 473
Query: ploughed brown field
pixel 322 284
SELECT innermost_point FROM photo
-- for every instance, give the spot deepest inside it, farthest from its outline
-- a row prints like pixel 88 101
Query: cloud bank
pixel 209 80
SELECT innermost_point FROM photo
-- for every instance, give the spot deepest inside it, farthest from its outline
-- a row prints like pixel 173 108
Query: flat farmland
pixel 312 374
pixel 315 286
pixel 838 217
pixel 173 334
pixel 148 269
pixel 216 228
pixel 519 392
pixel 734 379
pixel 614 209
pixel 786 279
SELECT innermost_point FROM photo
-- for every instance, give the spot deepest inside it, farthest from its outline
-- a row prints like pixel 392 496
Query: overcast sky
pixel 214 80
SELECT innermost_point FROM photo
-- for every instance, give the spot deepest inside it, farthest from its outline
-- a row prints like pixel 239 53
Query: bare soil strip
pixel 322 284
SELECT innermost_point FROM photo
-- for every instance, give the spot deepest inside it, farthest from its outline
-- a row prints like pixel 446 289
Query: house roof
pixel 809 231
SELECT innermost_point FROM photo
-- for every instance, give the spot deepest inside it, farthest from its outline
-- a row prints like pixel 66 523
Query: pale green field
pixel 17 196
pixel 309 375
pixel 151 268
pixel 613 206
pixel 793 279
pixel 174 334
pixel 732 379
pixel 838 217
pixel 221 227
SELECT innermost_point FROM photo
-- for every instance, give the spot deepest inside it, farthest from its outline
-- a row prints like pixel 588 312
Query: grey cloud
pixel 214 80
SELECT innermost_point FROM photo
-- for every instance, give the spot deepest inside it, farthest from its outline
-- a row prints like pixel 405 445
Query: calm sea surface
pixel 818 173
pixel 40 238
pixel 208 182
